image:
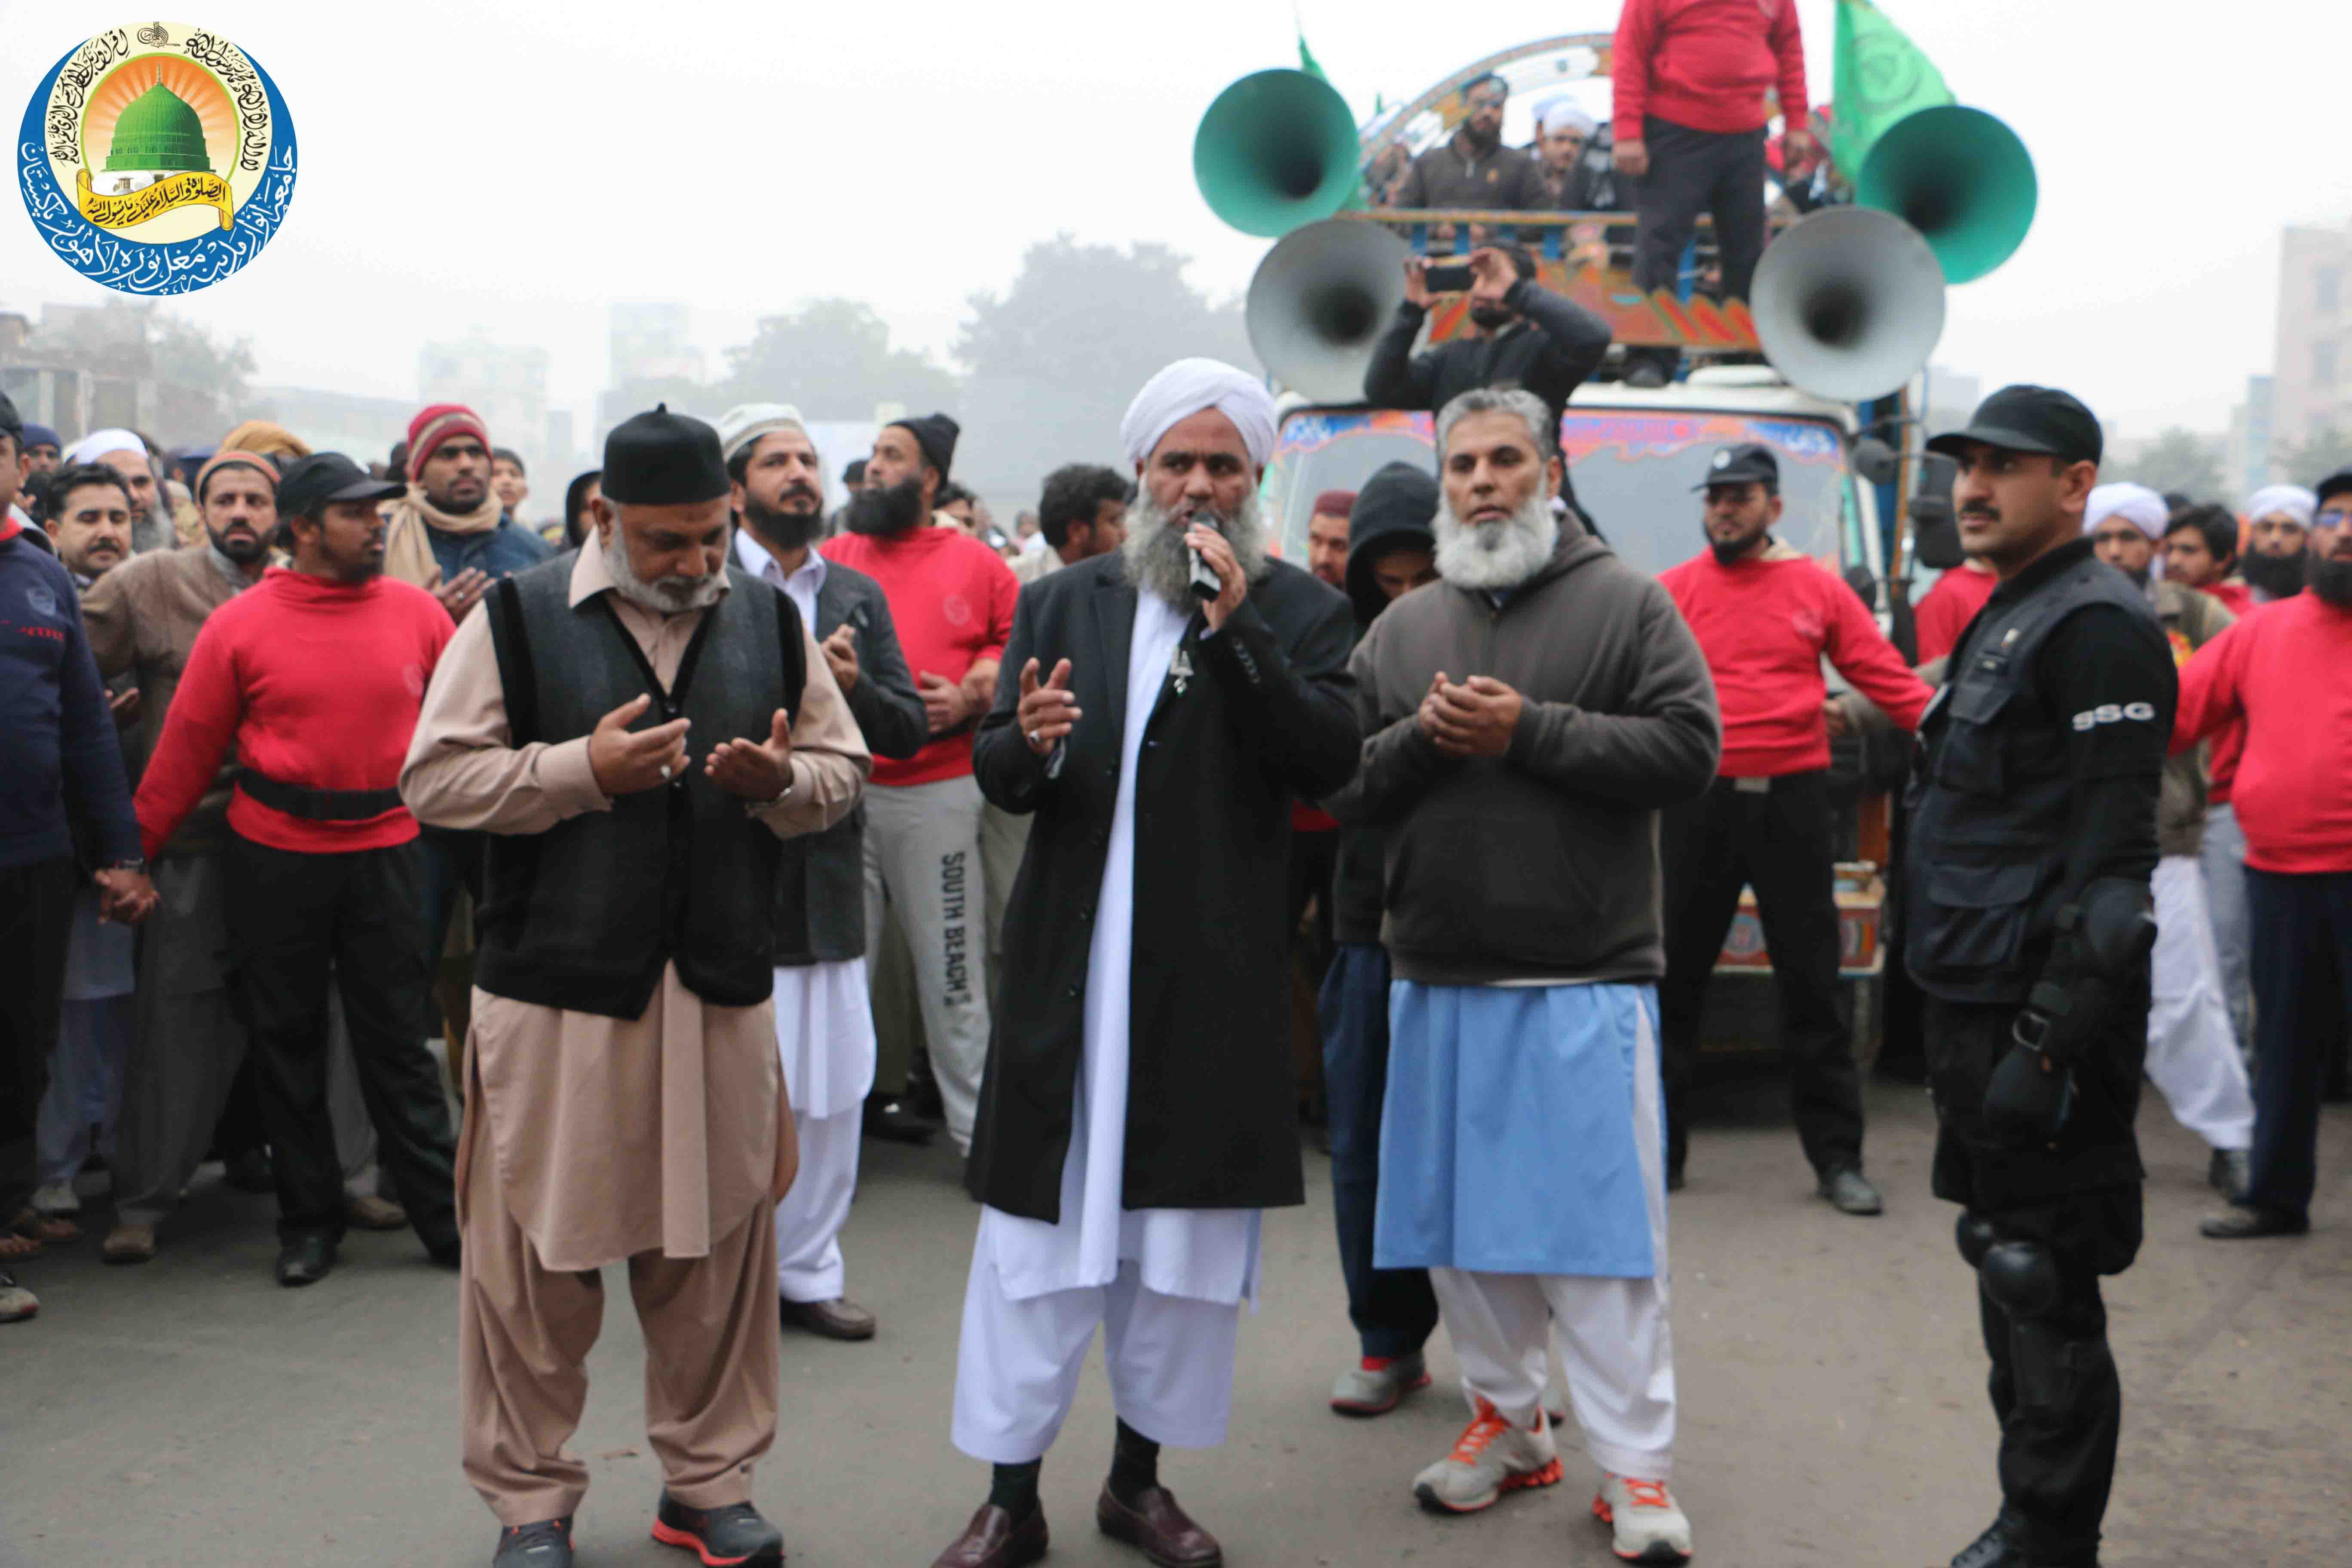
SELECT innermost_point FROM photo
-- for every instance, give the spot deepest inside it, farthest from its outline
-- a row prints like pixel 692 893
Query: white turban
pixel 1566 114
pixel 745 423
pixel 2135 504
pixel 1187 387
pixel 98 443
pixel 2292 500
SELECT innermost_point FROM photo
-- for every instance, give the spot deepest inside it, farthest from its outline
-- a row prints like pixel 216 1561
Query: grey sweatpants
pixel 925 874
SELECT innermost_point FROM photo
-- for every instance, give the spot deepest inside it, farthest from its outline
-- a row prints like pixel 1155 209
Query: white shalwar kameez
pixel 825 1040
pixel 1166 1284
pixel 2192 1051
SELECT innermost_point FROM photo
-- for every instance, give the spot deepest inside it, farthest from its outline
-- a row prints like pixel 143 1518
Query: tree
pixel 202 382
pixel 2325 450
pixel 1055 359
pixel 833 358
pixel 2178 461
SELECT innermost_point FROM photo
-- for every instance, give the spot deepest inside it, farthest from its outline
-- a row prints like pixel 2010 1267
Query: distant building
pixel 506 386
pixel 2251 462
pixel 2312 369
pixel 649 343
pixel 1952 397
pixel 362 428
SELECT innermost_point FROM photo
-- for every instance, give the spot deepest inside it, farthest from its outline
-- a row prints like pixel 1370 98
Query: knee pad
pixel 1975 1236
pixel 2022 1278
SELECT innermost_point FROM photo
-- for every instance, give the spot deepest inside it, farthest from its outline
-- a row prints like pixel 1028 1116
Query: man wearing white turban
pixel 2278 532
pixel 2192 1053
pixel 1135 1120
pixel 126 454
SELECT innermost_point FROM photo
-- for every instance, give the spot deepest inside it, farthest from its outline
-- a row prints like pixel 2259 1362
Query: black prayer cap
pixel 936 435
pixel 2026 419
pixel 662 459
pixel 1750 462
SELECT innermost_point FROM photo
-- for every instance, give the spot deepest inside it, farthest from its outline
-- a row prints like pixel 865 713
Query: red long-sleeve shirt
pixel 2281 671
pixel 952 597
pixel 318 685
pixel 1944 611
pixel 1765 625
pixel 1705 64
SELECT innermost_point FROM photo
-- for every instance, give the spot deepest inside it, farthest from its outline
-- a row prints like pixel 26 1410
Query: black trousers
pixel 1777 841
pixel 1695 171
pixel 35 913
pixel 295 922
pixel 2300 939
pixel 1394 1309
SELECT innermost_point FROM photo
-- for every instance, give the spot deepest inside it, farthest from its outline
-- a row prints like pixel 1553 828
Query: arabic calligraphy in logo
pixel 157 161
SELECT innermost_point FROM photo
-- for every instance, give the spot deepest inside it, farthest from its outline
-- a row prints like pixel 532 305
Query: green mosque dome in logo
pixel 158 132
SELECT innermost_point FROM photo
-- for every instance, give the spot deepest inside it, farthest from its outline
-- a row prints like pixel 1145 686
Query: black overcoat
pixel 1265 716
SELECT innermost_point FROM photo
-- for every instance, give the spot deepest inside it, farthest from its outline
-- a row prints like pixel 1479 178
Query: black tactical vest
pixel 586 914
pixel 1989 798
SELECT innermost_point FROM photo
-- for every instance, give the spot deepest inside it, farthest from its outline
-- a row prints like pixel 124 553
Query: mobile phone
pixel 1448 279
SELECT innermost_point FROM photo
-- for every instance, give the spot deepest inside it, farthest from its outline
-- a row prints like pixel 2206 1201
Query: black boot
pixel 2003 1545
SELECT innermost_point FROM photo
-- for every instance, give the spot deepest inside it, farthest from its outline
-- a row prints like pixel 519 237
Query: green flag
pixel 1306 60
pixel 1881 76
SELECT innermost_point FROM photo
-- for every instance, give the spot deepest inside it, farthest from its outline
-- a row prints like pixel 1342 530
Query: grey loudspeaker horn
pixel 1319 302
pixel 1849 303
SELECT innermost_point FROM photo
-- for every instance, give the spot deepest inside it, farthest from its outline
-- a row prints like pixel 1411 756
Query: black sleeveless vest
pixel 1989 799
pixel 585 915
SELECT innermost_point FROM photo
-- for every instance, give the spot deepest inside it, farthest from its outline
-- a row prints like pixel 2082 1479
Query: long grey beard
pixel 1492 555
pixel 671 596
pixel 1158 562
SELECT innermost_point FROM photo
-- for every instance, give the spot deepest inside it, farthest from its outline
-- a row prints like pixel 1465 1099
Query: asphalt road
pixel 191 1414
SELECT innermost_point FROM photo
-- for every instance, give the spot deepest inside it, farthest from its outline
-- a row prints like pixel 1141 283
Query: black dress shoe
pixel 2228 1171
pixel 994 1539
pixel 2003 1545
pixel 734 1536
pixel 546 1543
pixel 1155 1526
pixel 834 1319
pixel 896 1120
pixel 2245 1221
pixel 305 1261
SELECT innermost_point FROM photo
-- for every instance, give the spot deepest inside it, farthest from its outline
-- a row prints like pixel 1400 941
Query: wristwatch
pixel 754 807
pixel 136 864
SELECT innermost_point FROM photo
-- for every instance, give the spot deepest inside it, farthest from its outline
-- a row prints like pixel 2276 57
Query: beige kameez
pixel 661 1141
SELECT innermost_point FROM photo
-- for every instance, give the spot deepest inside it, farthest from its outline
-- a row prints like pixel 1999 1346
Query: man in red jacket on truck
pixel 1690 79
pixel 2281 670
pixel 1765 617
pixel 316 675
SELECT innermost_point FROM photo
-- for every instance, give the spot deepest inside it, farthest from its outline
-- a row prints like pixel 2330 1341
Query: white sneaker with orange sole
pixel 1648 1524
pixel 1492 1456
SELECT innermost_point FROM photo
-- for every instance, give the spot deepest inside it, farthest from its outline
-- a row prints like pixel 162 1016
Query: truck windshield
pixel 1632 470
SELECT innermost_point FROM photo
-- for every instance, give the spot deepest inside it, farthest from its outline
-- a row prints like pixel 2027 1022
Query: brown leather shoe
pixel 832 1320
pixel 373 1213
pixel 1158 1528
pixel 992 1540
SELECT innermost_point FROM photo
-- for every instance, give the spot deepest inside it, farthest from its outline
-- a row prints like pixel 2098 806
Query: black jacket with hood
pixel 1392 511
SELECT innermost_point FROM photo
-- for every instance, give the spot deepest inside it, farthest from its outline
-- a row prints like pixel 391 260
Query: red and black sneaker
pixel 546 1543
pixel 729 1537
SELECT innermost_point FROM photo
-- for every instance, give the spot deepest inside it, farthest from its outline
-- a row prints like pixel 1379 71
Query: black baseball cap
pixel 1750 462
pixel 2030 419
pixel 324 477
pixel 2335 484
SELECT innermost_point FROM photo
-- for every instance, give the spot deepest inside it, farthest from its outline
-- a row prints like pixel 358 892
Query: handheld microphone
pixel 1206 584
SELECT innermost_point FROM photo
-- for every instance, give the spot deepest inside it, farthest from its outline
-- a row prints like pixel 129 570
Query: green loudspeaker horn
pixel 1277 149
pixel 1961 178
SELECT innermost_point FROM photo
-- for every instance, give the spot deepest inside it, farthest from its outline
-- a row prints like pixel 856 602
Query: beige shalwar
pixel 661 1141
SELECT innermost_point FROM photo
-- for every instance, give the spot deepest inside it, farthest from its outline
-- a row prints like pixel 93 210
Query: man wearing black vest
pixel 2033 806
pixel 636 727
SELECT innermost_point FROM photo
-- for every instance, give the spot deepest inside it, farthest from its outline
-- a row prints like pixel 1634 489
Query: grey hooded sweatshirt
pixel 1541 864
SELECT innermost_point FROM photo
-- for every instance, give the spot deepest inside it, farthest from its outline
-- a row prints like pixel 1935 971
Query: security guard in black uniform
pixel 2033 837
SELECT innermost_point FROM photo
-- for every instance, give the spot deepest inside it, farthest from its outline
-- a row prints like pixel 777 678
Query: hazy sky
pixel 516 168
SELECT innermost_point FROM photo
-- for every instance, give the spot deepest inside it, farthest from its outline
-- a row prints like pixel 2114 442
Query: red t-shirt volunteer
pixel 2281 669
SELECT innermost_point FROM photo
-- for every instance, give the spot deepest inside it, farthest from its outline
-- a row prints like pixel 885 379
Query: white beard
pixel 1490 555
pixel 669 597
pixel 1158 562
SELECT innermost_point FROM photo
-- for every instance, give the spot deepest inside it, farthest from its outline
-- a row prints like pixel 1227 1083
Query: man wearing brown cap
pixel 635 727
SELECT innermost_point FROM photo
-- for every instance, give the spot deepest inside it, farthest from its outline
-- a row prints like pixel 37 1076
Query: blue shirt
pixel 61 761
pixel 498 551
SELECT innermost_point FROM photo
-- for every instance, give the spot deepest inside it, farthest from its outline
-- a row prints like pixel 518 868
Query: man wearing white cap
pixel 2192 1056
pixel 1568 181
pixel 1159 708
pixel 2278 534
pixel 126 454
pixel 824 1021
